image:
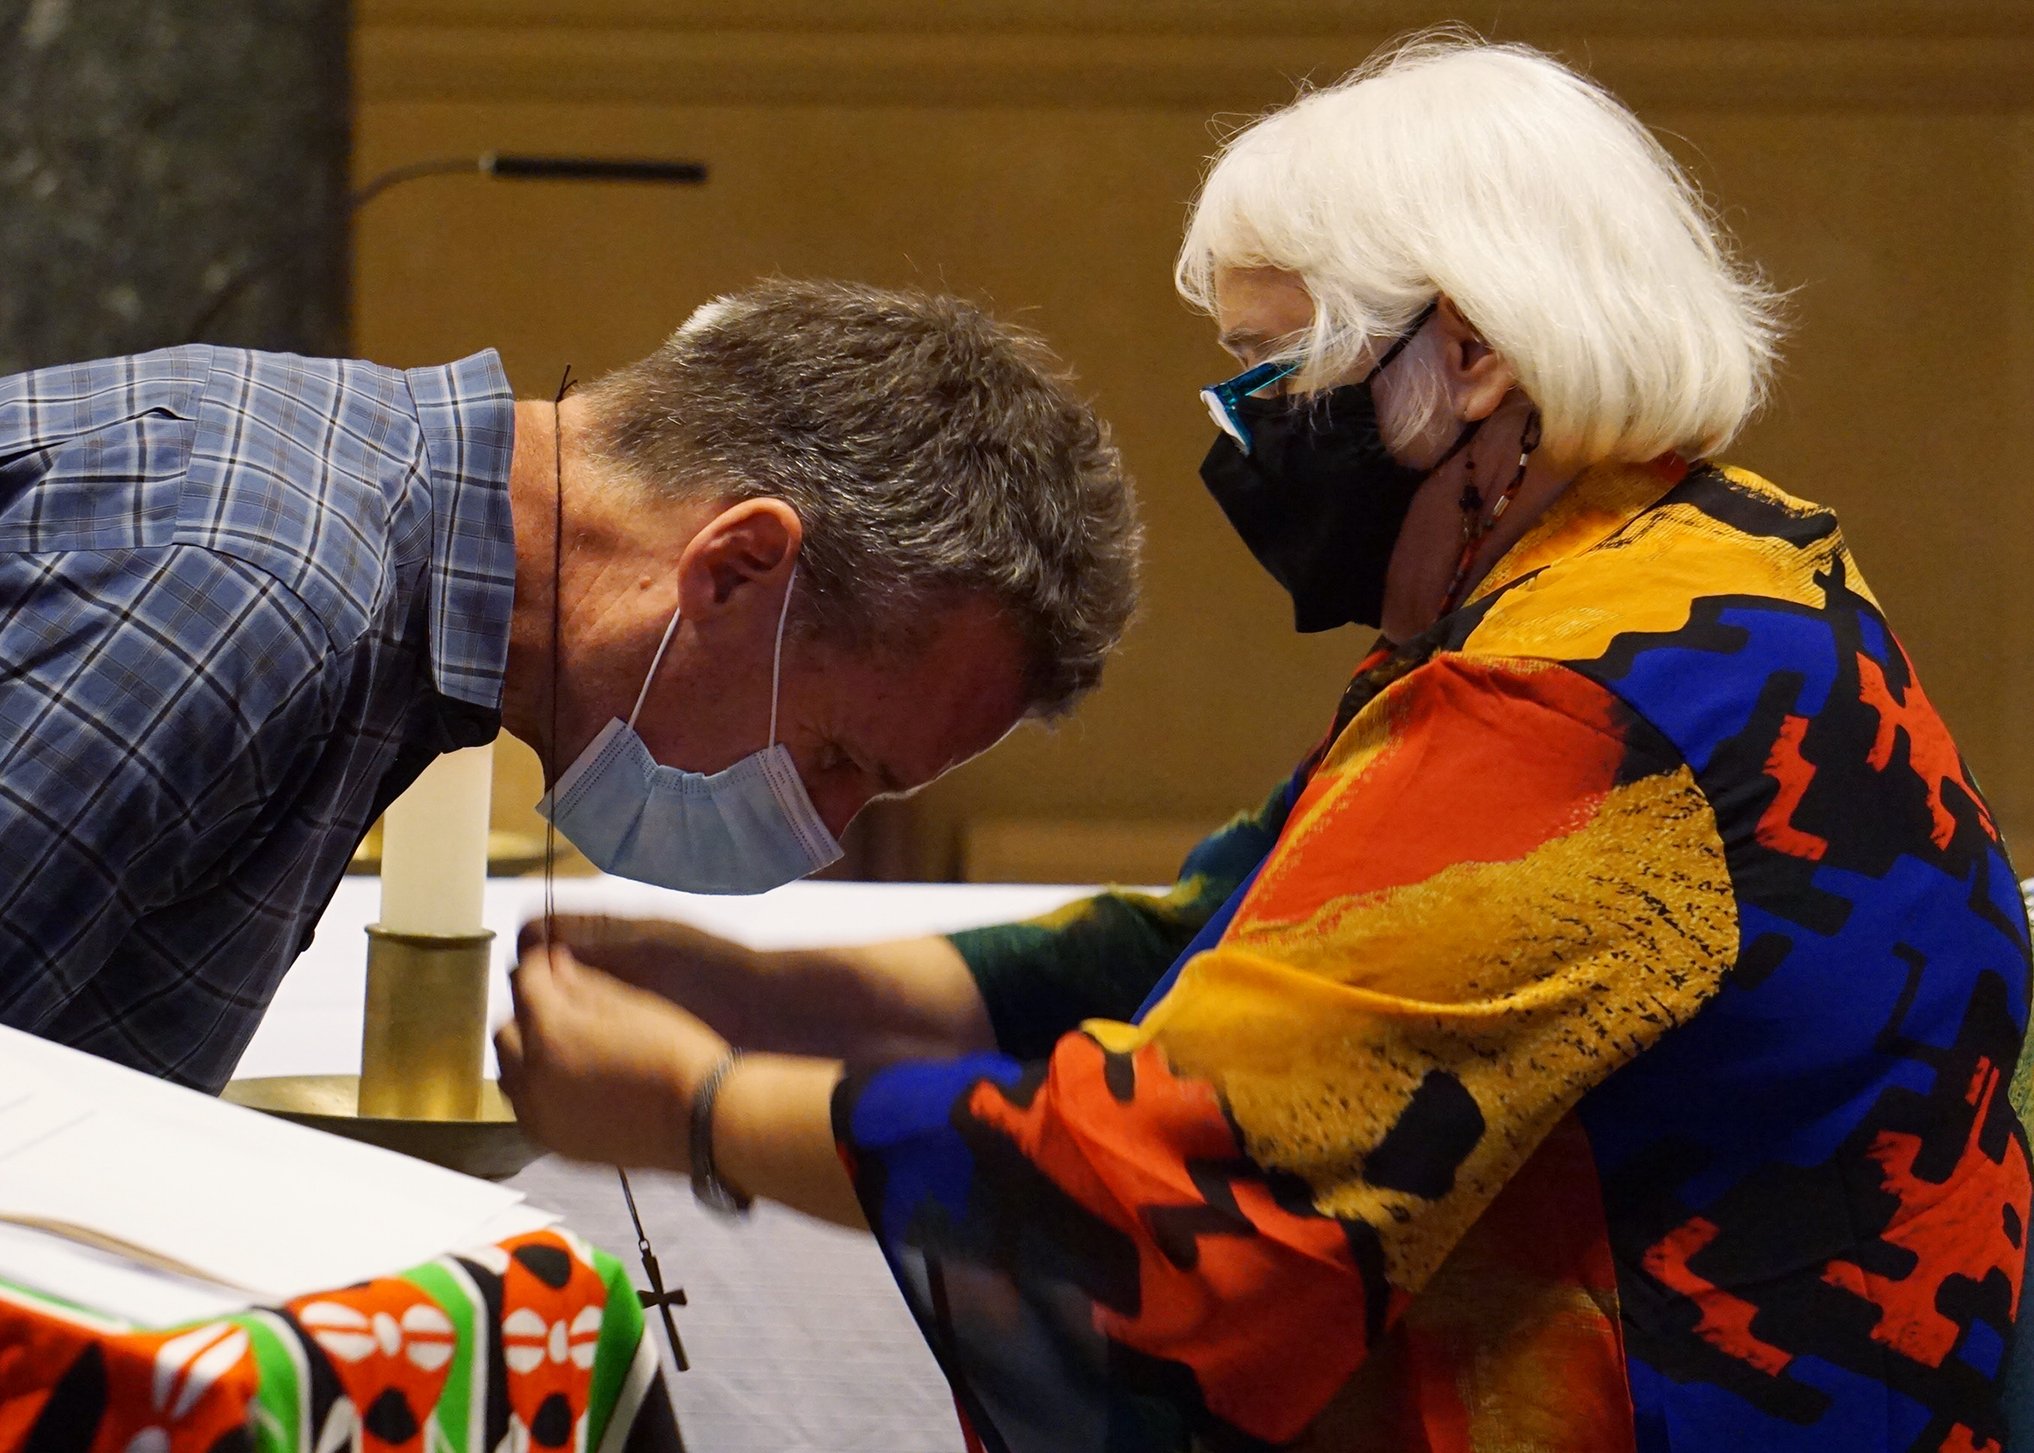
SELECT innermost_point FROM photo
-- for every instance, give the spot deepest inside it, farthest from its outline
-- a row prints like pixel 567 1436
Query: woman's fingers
pixel 591 935
pixel 571 928
pixel 597 1068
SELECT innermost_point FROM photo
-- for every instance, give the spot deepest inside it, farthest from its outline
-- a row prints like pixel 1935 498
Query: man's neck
pixel 586 617
pixel 533 503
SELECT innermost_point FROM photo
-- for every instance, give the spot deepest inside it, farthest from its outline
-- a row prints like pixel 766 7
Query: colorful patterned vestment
pixel 534 1344
pixel 1602 1044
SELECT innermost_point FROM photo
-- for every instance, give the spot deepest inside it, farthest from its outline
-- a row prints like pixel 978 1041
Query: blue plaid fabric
pixel 244 599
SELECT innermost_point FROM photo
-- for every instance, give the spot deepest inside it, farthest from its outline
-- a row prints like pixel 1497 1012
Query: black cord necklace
pixel 656 1296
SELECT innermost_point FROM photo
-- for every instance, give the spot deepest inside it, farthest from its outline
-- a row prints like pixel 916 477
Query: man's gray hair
pixel 930 451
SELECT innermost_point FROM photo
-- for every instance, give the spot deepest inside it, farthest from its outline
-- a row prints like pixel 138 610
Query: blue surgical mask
pixel 748 829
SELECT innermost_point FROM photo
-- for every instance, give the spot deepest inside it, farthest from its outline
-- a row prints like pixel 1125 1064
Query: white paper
pixel 518 1220
pixel 127 1290
pixel 31 1109
pixel 252 1202
pixel 108 1283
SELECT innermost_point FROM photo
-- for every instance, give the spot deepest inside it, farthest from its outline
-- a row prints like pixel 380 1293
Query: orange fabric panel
pixel 1255 1275
pixel 1462 761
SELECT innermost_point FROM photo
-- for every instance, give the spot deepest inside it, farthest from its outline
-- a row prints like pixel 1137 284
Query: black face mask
pixel 1318 499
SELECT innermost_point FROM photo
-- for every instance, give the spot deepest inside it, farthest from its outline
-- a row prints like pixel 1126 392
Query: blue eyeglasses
pixel 1224 399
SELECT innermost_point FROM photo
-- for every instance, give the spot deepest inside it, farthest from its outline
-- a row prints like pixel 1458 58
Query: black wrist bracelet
pixel 707 1187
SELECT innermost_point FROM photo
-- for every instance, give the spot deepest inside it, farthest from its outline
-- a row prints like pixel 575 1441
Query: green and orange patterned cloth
pixel 1602 1044
pixel 537 1343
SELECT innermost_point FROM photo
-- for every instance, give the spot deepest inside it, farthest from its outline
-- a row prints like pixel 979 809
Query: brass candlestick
pixel 425 1031
pixel 419 1090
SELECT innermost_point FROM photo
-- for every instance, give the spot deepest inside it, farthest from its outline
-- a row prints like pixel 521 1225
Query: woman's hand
pixel 599 1069
pixel 602 1070
pixel 714 978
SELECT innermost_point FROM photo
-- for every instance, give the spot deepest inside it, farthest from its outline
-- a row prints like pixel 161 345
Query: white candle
pixel 434 847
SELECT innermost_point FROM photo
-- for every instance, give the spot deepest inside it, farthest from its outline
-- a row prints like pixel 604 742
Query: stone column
pixel 150 150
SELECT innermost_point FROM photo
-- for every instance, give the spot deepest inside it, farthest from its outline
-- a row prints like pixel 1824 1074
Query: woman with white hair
pixel 1601 1042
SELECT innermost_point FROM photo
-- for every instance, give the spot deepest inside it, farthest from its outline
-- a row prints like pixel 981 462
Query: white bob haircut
pixel 1541 207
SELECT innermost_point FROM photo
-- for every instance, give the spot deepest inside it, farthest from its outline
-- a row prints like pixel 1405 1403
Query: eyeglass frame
pixel 1224 399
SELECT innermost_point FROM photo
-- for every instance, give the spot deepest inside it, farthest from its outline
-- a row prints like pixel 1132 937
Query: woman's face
pixel 1259 309
pixel 1445 379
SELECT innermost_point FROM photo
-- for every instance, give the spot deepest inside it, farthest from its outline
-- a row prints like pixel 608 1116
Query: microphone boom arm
pixel 510 166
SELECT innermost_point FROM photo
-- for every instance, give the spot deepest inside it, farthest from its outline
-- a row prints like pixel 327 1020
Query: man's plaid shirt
pixel 244 599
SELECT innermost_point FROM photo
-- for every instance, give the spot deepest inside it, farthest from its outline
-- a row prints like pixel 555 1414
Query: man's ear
pixel 740 558
pixel 1476 375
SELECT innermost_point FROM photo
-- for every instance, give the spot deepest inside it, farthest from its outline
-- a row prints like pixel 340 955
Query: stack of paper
pixel 178 1189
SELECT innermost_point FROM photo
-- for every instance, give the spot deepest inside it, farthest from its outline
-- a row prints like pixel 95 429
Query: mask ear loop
pixel 777 656
pixel 776 660
pixel 655 661
pixel 557 571
pixel 1399 344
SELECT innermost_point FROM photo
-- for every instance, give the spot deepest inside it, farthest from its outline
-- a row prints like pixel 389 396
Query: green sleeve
pixel 1099 957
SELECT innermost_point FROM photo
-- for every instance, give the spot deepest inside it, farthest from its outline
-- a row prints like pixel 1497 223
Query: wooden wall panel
pixel 1038 156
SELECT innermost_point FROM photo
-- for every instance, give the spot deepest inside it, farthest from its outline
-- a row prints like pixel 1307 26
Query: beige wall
pixel 1038 153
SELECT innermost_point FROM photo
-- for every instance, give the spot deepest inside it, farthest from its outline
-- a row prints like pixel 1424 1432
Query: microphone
pixel 592 168
pixel 506 166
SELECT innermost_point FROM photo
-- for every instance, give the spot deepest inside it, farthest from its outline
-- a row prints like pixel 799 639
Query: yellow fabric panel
pixel 1647 578
pixel 1529 981
pixel 1601 501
